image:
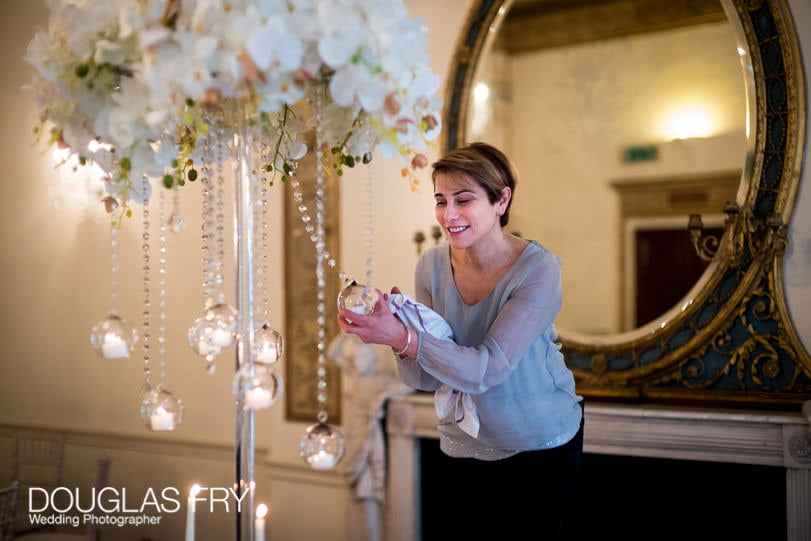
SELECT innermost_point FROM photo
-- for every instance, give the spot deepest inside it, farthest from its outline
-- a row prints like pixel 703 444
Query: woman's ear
pixel 506 194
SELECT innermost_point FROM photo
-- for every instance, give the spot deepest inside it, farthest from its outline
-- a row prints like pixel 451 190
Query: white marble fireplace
pixel 780 439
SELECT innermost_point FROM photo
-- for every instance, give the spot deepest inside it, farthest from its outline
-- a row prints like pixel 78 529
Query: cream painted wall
pixel 55 281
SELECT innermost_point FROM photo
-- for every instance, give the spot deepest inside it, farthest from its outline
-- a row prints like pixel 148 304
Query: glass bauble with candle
pixel 322 446
pixel 257 387
pixel 200 338
pixel 357 298
pixel 268 345
pixel 113 338
pixel 161 410
pixel 224 318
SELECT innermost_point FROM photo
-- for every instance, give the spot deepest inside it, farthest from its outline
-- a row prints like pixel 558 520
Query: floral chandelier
pixel 134 78
pixel 165 92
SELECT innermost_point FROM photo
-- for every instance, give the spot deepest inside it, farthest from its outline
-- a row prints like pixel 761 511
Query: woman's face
pixel 464 212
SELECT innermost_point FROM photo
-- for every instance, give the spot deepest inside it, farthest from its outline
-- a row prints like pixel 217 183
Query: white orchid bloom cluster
pixel 135 78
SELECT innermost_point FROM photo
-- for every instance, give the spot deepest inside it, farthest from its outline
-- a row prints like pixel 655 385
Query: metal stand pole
pixel 243 277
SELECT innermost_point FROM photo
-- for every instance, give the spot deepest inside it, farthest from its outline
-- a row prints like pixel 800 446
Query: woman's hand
pixel 381 327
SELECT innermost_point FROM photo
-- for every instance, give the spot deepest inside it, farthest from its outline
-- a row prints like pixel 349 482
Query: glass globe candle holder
pixel 256 387
pixel 357 298
pixel 200 338
pixel 113 338
pixel 224 320
pixel 322 446
pixel 161 411
pixel 268 345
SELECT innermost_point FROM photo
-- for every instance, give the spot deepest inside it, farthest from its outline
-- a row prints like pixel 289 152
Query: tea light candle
pixel 359 309
pixel 195 489
pixel 221 337
pixel 259 522
pixel 323 461
pixel 205 348
pixel 162 419
pixel 114 347
pixel 267 354
pixel 257 398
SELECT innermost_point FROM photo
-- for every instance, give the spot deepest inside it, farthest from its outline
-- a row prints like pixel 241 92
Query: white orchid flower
pixel 271 47
pixel 354 83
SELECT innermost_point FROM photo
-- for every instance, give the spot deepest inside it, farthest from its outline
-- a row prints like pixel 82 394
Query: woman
pixel 512 473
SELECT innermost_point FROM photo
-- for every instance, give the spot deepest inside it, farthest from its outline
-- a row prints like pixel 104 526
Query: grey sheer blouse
pixel 503 354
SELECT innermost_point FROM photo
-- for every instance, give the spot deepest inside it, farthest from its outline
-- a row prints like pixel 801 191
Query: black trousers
pixel 525 496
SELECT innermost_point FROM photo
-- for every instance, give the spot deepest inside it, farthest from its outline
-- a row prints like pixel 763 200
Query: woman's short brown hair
pixel 486 165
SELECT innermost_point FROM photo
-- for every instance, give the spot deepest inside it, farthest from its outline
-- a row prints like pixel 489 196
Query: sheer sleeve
pixel 530 308
pixel 410 371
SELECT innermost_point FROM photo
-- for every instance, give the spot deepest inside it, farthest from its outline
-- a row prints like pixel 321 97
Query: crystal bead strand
pixel 262 238
pixel 160 410
pixel 114 265
pixel 322 445
pixel 207 224
pixel 368 229
pixel 219 236
pixel 146 291
pixel 320 250
pixel 112 337
pixel 268 344
pixel 216 327
pixel 306 219
pixel 162 250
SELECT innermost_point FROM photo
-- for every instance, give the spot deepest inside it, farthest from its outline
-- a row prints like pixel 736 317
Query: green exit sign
pixel 638 154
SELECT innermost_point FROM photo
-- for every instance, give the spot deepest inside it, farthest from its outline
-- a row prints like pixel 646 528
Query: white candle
pixel 259 522
pixel 195 489
pixel 322 461
pixel 221 337
pixel 267 354
pixel 257 398
pixel 162 419
pixel 114 347
pixel 359 309
pixel 204 348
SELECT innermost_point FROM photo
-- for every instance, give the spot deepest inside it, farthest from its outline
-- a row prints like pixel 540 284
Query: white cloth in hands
pixel 447 400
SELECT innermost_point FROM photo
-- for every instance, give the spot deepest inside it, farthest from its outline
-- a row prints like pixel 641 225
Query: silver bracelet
pixel 408 343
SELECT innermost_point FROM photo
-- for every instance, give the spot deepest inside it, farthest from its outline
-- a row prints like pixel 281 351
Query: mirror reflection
pixel 618 133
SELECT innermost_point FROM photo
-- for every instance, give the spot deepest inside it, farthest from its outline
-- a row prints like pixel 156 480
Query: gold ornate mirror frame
pixel 731 341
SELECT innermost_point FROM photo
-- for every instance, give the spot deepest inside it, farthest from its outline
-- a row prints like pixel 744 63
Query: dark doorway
pixel 667 266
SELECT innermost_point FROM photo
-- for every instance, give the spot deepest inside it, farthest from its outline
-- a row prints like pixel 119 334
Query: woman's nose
pixel 450 212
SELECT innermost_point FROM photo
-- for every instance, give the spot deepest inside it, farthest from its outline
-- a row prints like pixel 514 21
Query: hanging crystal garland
pixel 160 409
pixel 216 327
pixel 362 298
pixel 322 446
pixel 257 385
pixel 113 337
pixel 268 345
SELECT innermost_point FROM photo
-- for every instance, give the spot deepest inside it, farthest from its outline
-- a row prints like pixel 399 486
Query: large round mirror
pixel 622 120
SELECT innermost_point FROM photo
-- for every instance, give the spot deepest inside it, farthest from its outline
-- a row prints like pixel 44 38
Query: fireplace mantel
pixel 684 433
